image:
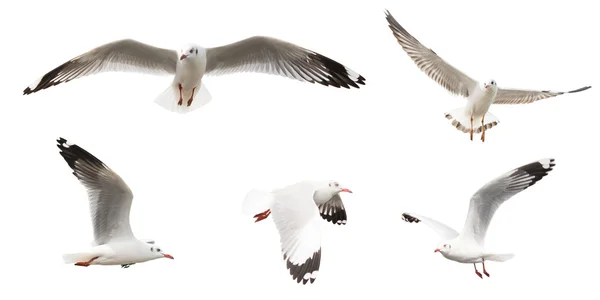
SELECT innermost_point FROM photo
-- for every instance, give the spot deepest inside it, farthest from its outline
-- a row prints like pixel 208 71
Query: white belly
pixel 189 74
pixel 479 103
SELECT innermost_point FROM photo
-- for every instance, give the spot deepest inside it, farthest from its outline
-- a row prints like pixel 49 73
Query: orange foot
pixel 86 263
pixel 191 97
pixel 263 215
pixel 180 95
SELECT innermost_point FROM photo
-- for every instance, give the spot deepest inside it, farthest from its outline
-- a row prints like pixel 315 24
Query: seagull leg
pixel 471 127
pixel 477 272
pixel 263 215
pixel 484 271
pixel 191 97
pixel 482 130
pixel 86 263
pixel 180 95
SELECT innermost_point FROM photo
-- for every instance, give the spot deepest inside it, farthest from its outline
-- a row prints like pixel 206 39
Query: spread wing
pixel 268 55
pixel 109 197
pixel 297 219
pixel 333 211
pixel 123 55
pixel 443 230
pixel 488 198
pixel 512 96
pixel 429 62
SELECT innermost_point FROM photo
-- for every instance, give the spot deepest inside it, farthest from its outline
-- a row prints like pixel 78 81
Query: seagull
pixel 258 54
pixel 110 204
pixel 474 117
pixel 297 210
pixel 468 246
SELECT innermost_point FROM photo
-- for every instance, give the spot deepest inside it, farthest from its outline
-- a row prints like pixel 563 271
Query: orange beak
pixel 436 250
pixel 168 256
pixel 183 56
pixel 346 190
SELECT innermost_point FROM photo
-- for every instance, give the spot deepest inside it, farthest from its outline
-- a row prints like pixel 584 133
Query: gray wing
pixel 123 55
pixel 512 96
pixel 488 198
pixel 429 62
pixel 268 55
pixel 110 198
pixel 443 230
pixel 334 211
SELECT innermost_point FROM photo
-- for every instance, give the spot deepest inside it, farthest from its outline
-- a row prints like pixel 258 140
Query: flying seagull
pixel 110 203
pixel 187 92
pixel 468 246
pixel 474 117
pixel 297 210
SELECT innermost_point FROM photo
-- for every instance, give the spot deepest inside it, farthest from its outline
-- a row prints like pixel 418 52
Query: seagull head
pixel 189 51
pixel 156 252
pixel 327 192
pixel 336 188
pixel 443 248
pixel 489 85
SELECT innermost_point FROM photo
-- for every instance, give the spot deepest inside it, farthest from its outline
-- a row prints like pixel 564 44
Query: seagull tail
pixel 499 257
pixel 72 258
pixel 257 201
pixel 461 120
pixel 169 99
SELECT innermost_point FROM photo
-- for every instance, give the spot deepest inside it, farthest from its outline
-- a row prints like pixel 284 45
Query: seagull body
pixel 468 246
pixel 474 117
pixel 110 203
pixel 189 65
pixel 298 211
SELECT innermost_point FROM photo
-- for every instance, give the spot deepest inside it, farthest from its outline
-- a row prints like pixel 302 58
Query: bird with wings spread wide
pixel 474 117
pixel 187 91
pixel 468 246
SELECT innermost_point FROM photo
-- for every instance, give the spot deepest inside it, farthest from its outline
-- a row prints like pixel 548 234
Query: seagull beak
pixel 436 250
pixel 346 190
pixel 168 256
pixel 183 56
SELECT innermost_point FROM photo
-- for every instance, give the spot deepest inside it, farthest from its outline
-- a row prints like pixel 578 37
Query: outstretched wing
pixel 272 56
pixel 429 62
pixel 443 230
pixel 110 198
pixel 297 219
pixel 512 96
pixel 334 211
pixel 488 198
pixel 123 55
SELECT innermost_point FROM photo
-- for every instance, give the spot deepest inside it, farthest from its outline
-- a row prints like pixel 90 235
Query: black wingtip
pixel 538 169
pixel 310 266
pixel 580 89
pixel 27 91
pixel 72 153
pixel 410 219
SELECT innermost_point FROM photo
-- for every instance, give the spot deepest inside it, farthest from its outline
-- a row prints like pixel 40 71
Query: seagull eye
pixel 152 249
pixel 158 250
pixel 337 184
pixel 191 50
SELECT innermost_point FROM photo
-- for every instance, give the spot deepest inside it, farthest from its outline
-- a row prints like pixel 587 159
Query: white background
pixel 388 141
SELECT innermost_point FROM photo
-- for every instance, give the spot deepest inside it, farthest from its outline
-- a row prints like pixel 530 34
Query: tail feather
pixel 461 119
pixel 499 257
pixel 257 201
pixel 72 258
pixel 170 97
